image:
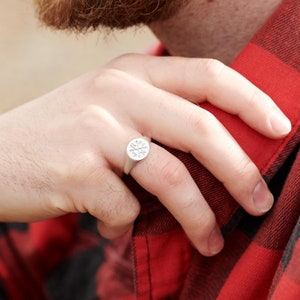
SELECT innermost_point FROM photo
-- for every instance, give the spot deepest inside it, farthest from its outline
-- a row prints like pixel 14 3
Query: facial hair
pixel 88 15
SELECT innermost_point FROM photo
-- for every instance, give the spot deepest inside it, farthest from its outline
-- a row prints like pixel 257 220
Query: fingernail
pixel 215 241
pixel 262 197
pixel 279 122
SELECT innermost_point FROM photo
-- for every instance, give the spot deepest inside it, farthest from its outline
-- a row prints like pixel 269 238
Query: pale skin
pixel 65 151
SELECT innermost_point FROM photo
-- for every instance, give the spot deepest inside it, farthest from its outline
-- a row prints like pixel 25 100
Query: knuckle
pixel 110 78
pixel 125 61
pixel 92 122
pixel 85 173
pixel 195 120
pixel 117 216
pixel 187 205
pixel 172 172
pixel 116 207
pixel 256 100
pixel 208 69
pixel 253 97
pixel 90 163
pixel 202 223
pixel 123 58
pixel 201 121
pixel 208 222
pixel 126 211
pixel 213 68
pixel 244 170
pixel 89 117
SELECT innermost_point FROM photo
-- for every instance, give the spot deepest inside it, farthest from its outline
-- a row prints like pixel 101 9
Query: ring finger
pixel 166 177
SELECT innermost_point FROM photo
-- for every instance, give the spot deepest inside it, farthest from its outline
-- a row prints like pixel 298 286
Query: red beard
pixel 83 15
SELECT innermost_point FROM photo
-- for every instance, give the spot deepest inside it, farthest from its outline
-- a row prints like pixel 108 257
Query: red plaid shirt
pixel 64 258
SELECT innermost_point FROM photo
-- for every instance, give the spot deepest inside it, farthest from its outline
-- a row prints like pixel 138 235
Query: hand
pixel 65 152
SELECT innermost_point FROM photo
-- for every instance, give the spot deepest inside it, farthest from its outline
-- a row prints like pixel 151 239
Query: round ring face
pixel 138 149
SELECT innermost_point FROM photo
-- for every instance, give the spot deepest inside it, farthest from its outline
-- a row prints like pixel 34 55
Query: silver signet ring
pixel 137 150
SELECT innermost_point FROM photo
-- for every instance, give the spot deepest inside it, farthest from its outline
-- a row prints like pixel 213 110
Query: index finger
pixel 199 80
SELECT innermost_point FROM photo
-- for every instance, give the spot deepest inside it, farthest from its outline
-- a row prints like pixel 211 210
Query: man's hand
pixel 65 152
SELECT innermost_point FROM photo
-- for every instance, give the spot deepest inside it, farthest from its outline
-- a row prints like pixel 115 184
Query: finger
pixel 113 232
pixel 209 79
pixel 187 127
pixel 163 175
pixel 224 158
pixel 112 203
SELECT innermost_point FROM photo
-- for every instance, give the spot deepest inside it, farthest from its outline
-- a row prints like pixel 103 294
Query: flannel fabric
pixel 64 258
pixel 261 258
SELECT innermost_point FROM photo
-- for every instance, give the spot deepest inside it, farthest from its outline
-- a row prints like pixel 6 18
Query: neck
pixel 215 29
